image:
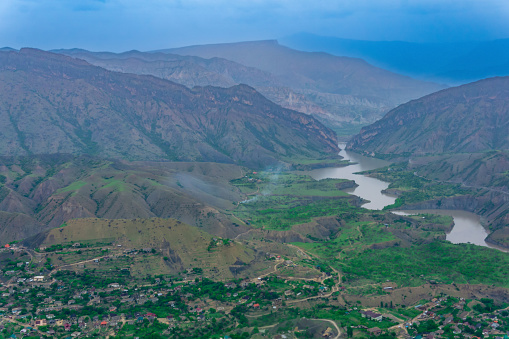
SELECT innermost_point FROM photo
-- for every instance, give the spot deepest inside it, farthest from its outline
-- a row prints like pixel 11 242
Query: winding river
pixel 467 226
pixel 369 188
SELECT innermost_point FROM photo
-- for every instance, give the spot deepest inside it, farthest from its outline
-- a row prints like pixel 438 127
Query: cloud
pixel 152 24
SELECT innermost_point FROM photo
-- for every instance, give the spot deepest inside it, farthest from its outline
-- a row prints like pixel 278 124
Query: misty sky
pixel 119 25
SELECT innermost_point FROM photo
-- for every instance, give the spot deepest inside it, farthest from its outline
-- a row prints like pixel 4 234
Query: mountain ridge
pixel 467 118
pixel 83 109
pixel 349 90
pixel 452 63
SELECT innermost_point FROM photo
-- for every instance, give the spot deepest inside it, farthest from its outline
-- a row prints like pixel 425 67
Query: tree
pixel 349 331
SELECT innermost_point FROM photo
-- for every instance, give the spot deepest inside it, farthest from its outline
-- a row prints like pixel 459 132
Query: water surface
pixel 467 226
pixel 369 188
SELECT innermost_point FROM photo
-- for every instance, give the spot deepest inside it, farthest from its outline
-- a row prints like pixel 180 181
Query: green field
pixel 440 261
pixel 282 200
pixel 415 189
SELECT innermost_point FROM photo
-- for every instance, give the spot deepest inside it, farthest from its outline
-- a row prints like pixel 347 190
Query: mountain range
pixel 336 90
pixel 349 88
pixel 340 92
pixel 50 103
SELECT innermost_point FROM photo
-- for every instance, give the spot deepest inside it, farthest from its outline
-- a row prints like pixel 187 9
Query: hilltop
pixel 178 246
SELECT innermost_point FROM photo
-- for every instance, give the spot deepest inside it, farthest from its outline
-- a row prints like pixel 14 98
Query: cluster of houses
pixel 50 303
pixel 464 323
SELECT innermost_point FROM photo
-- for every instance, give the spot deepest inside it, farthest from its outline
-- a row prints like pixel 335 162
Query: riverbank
pixel 418 193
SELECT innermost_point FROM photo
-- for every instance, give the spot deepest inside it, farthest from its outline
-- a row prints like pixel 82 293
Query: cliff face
pixel 51 103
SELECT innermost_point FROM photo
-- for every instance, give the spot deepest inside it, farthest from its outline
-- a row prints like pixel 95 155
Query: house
pixel 372 315
pixel 256 306
pixel 374 331
pixel 38 278
pixel 230 285
pixel 41 322
pixel 448 320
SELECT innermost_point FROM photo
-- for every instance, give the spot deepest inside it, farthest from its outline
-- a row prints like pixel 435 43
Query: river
pixel 467 226
pixel 369 188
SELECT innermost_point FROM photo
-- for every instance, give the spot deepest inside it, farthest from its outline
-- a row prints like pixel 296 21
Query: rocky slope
pixel 51 103
pixel 194 71
pixel 347 90
pixel 469 118
pixel 456 135
pixel 42 192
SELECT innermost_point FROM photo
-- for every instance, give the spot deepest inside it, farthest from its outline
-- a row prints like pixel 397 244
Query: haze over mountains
pixel 56 104
pixel 337 91
pixel 451 63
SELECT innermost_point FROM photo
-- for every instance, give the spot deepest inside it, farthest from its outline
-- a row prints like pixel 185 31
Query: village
pixel 68 304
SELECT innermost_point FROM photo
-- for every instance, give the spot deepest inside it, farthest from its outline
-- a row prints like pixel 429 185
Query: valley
pixel 249 190
pixel 295 252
